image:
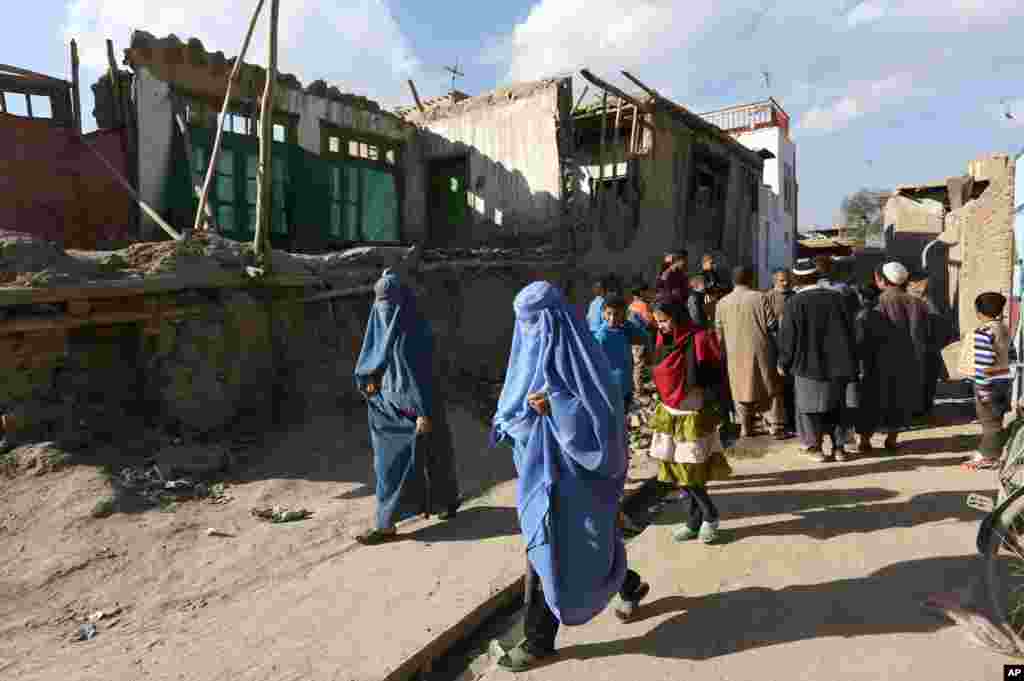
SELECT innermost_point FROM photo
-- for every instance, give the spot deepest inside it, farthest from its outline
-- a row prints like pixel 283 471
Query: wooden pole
pixel 146 208
pixel 416 96
pixel 608 87
pixel 115 85
pixel 599 189
pixel 183 126
pixel 265 184
pixel 586 88
pixel 7 68
pixel 215 152
pixel 76 96
pixel 632 134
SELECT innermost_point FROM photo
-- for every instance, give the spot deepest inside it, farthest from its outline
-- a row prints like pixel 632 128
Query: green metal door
pixel 449 209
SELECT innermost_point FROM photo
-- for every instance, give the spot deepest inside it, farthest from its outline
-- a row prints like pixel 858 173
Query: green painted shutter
pixel 380 206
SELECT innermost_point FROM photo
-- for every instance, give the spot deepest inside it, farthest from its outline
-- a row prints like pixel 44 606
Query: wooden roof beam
pixel 609 88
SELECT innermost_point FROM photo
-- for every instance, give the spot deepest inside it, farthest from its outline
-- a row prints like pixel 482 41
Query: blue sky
pixel 881 92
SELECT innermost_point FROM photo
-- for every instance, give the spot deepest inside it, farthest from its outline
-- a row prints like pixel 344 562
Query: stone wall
pixel 981 235
pixel 235 359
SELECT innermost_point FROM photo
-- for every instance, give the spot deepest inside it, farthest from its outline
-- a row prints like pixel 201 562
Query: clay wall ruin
pixel 202 354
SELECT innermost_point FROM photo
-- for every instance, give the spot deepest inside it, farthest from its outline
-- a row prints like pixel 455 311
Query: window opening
pixel 40 106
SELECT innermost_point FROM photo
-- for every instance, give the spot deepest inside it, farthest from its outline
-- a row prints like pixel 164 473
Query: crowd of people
pixel 811 357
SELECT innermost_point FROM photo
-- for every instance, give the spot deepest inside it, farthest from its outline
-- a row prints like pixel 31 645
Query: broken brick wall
pixel 234 360
pixel 981 235
pixel 52 187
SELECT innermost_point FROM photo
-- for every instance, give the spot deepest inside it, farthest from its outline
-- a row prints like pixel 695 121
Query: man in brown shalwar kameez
pixel 746 327
pixel 894 349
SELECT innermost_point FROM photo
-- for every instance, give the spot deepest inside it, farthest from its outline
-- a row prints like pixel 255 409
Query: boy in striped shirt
pixel 991 377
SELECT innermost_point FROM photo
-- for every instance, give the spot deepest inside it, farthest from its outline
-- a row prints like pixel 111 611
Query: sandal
pixel 520 658
pixel 981 464
pixel 891 443
pixel 375 537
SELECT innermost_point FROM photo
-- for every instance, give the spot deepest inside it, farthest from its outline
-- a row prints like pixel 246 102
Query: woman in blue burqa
pixel 561 412
pixel 412 445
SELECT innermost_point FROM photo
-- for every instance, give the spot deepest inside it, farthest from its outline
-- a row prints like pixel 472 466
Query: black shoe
pixel 451 511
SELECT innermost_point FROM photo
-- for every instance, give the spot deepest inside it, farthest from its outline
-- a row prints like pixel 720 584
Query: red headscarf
pixel 676 371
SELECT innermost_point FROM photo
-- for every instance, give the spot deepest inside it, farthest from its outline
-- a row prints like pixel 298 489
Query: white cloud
pixel 861 98
pixel 939 14
pixel 565 35
pixel 355 44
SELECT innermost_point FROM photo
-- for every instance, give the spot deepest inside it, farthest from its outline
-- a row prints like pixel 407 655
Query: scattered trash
pixel 86 632
pixel 104 614
pixel 280 514
pixel 977 626
pixel 179 484
pixel 151 484
pixel 214 532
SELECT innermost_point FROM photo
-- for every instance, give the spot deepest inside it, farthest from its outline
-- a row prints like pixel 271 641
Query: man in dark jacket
pixel 817 346
pixel 673 280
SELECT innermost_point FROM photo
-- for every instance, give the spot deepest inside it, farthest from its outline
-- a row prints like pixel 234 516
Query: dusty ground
pixel 822 574
pixel 59 564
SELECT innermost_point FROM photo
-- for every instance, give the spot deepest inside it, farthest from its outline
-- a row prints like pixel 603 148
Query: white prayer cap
pixel 896 273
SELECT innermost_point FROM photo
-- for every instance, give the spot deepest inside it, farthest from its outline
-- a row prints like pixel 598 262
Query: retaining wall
pixel 206 360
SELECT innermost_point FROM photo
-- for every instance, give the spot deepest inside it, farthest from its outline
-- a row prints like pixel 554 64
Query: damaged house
pixel 51 184
pixel 765 126
pixel 340 160
pixel 963 229
pixel 617 181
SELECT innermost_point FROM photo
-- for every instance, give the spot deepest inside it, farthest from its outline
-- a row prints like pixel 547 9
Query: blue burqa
pixel 571 463
pixel 413 473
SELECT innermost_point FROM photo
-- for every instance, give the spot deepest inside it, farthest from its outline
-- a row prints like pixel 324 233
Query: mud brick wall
pixel 985 230
pixel 51 186
pixel 224 360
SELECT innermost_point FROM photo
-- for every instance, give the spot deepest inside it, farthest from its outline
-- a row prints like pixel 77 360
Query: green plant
pixel 167 504
pixel 103 508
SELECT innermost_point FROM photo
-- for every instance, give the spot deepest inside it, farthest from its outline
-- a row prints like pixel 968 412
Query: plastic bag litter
pixel 280 514
pixel 86 632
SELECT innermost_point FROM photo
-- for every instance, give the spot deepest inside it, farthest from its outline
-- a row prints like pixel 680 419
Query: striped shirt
pixel 985 358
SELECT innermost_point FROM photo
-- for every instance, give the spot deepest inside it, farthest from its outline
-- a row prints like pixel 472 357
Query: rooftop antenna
pixel 456 73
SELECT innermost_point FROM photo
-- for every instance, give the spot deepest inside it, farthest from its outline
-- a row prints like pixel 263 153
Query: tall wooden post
pixel 265 182
pixel 215 152
pixel 77 103
pixel 115 86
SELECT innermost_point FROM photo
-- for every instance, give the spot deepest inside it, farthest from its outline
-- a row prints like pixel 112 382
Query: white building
pixel 757 126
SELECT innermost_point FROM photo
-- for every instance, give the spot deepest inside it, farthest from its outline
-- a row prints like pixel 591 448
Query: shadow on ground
pixel 887 601
pixel 829 514
pixel 471 524
pixel 898 463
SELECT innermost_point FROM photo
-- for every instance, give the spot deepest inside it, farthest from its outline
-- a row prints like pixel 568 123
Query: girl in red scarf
pixel 688 375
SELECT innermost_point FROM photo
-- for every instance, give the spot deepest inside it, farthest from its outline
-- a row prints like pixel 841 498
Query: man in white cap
pixel 894 352
pixel 817 346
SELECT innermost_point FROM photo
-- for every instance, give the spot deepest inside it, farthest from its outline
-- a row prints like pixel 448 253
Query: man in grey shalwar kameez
pixel 817 347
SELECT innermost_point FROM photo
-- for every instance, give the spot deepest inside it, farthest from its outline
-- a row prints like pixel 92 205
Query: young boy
pixel 991 344
pixel 615 335
pixel 596 309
